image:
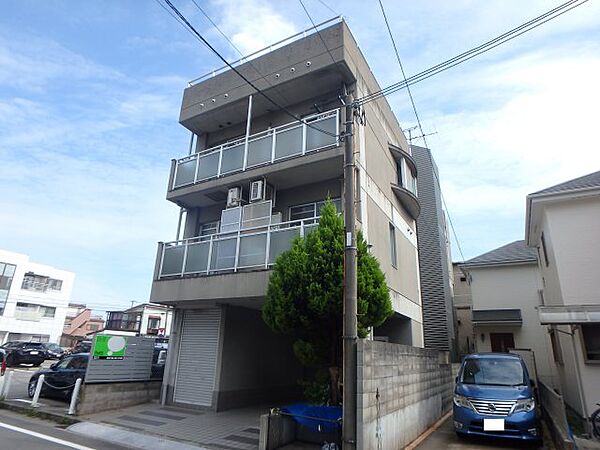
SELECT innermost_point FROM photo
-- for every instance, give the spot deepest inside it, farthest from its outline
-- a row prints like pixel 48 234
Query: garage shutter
pixel 197 360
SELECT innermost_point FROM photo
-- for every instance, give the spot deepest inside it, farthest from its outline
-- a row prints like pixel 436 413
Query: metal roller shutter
pixel 197 360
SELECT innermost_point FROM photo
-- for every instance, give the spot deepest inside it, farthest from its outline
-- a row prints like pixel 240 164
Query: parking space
pixel 17 390
pixel 445 438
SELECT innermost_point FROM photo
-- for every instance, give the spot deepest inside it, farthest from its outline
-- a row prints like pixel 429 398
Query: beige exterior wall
pixel 514 287
pixel 572 277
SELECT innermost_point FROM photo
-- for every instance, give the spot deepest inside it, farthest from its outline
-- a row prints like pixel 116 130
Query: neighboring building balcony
pixel 245 249
pixel 483 317
pixel 258 155
pixel 119 321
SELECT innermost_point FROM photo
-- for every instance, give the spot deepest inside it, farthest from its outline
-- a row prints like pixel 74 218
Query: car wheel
pixel 31 387
pixel 10 360
pixel 37 364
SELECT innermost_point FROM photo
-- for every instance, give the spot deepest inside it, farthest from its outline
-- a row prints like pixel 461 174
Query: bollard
pixel 38 390
pixel 6 386
pixel 2 380
pixel 74 396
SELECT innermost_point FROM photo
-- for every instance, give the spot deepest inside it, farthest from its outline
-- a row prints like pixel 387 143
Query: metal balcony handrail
pixel 265 50
pixel 301 225
pixel 200 161
pixel 260 134
pixel 246 231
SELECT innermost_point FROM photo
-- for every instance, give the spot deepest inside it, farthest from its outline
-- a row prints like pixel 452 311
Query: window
pixel 54 285
pixel 393 251
pixel 545 251
pixel 33 282
pixel 153 323
pixel 33 309
pixel 7 272
pixel 311 210
pixel 590 336
pixel 92 327
pixel 208 228
pixel 406 178
pixel 556 349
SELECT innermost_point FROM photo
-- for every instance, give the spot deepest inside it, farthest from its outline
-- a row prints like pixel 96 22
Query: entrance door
pixel 502 342
pixel 197 361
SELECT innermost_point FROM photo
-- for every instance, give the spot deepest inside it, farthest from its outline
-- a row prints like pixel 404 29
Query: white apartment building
pixel 33 299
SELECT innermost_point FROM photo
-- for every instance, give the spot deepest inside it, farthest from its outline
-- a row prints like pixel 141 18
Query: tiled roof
pixel 516 251
pixel 586 181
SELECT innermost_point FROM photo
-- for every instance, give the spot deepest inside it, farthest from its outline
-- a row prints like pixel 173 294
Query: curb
pixel 62 419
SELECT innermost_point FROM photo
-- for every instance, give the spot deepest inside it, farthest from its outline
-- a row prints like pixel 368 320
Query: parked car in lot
pixel 54 351
pixel 82 347
pixel 60 377
pixel 494 397
pixel 24 353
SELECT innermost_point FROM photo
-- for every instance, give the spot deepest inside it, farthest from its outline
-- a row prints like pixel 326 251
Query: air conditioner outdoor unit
pixel 234 197
pixel 257 190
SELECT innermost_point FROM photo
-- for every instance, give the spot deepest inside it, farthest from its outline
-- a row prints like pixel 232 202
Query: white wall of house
pixel 165 315
pixel 572 277
pixel 513 287
pixel 36 321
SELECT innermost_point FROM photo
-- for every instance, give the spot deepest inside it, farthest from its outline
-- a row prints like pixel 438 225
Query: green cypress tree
pixel 305 300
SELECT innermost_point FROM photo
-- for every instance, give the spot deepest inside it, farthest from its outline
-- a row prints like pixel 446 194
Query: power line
pixel 328 7
pixel 318 32
pixel 259 91
pixel 483 48
pixel 414 107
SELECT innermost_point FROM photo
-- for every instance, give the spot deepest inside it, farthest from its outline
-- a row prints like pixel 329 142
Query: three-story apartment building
pixel 254 179
pixel 33 299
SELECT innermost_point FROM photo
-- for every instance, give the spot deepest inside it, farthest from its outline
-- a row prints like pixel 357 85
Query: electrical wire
pixel 198 36
pixel 483 48
pixel 318 32
pixel 414 107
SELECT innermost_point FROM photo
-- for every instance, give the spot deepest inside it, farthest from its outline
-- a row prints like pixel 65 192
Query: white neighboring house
pixel 505 286
pixel 563 224
pixel 33 299
pixel 146 319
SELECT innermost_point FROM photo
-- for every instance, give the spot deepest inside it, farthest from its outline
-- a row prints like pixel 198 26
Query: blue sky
pixel 90 95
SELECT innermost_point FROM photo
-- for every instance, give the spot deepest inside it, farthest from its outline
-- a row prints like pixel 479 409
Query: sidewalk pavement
pixel 156 427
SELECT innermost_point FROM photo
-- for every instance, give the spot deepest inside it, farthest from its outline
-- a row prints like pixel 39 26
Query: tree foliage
pixel 305 299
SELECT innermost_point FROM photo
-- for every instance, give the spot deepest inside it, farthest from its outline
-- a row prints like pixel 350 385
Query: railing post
pixel 220 161
pixel 38 390
pixel 273 144
pixel 237 251
pixel 74 397
pixel 185 251
pixel 6 386
pixel 304 126
pixel 248 125
pixel 210 249
pixel 268 247
pixel 197 167
pixel 302 228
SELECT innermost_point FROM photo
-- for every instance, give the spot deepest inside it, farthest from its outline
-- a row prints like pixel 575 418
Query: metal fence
pixel 286 141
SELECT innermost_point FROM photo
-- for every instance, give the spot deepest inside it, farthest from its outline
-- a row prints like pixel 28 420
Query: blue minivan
pixel 494 397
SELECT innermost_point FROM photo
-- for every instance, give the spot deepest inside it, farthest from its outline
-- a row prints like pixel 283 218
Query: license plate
pixel 493 424
pixel 33 353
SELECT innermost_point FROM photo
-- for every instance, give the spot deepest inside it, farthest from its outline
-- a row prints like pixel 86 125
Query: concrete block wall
pixel 106 396
pixel 402 390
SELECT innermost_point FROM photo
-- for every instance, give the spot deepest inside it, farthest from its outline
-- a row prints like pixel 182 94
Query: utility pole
pixel 350 284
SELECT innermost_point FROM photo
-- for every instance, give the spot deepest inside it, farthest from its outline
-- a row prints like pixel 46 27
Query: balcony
pixel 119 321
pixel 268 147
pixel 249 248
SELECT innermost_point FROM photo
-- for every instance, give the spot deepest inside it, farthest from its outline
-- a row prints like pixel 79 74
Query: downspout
pixel 579 381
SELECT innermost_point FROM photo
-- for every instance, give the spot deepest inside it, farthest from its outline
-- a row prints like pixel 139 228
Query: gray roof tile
pixel 586 181
pixel 514 252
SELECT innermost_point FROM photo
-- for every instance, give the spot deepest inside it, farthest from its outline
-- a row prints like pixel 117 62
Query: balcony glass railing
pixel 247 248
pixel 276 144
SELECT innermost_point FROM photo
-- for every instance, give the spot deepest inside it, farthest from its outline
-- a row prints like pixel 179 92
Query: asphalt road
pixel 445 438
pixel 25 433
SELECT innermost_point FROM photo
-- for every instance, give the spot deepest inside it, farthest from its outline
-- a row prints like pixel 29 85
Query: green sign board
pixel 109 347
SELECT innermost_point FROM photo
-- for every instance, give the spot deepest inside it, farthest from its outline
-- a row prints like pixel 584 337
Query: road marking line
pixel 428 433
pixel 45 437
